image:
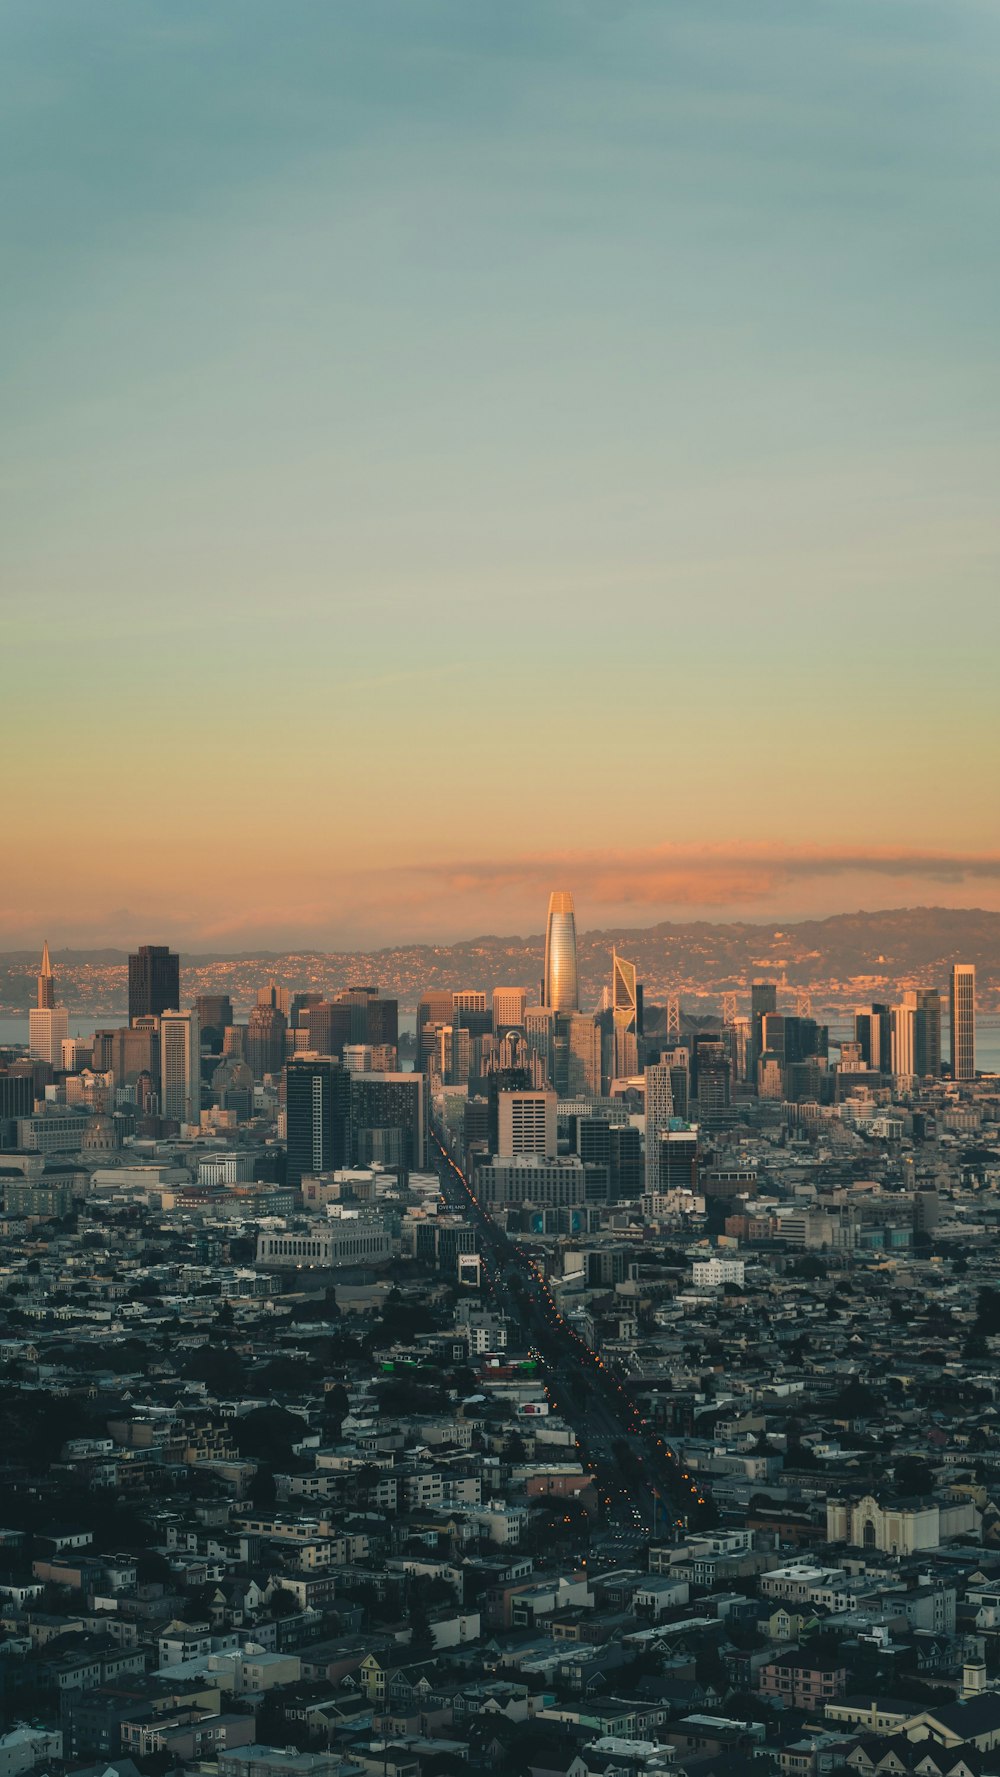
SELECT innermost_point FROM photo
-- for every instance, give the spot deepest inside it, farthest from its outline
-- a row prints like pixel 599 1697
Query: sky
pixel 455 448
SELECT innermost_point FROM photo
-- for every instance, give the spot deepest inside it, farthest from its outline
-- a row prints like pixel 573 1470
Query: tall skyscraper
pixel 17 1099
pixel 46 982
pixel 676 1161
pixel 527 1124
pixel 154 981
pixel 926 1003
pixel 659 1110
pixel 215 1015
pixel 48 1024
pixel 435 1007
pixel 180 1066
pixel 265 1044
pixel 508 1007
pixel 136 1051
pixel 318 1111
pixel 454 1054
pixel 539 1030
pixel 279 998
pixel 301 1002
pixel 873 1030
pixel 357 997
pixel 469 999
pixel 583 1056
pixel 383 1022
pixel 962 1005
pixel 710 1078
pixel 902 1025
pixel 763 999
pixel 329 1024
pixel 736 1036
pixel 389 1119
pixel 625 997
pixel 678 1060
pixel 560 987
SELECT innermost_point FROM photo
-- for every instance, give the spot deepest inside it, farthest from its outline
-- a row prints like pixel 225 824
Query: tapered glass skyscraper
pixel 560 987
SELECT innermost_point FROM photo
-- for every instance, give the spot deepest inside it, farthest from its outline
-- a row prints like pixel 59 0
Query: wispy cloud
pixel 445 900
pixel 709 876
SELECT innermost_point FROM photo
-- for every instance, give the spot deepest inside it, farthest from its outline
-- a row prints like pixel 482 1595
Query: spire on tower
pixel 46 981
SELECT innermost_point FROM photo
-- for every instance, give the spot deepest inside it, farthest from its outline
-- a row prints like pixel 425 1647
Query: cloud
pixel 444 900
pixel 688 876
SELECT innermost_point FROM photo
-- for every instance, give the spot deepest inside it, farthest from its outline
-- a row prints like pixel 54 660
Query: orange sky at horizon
pixel 443 902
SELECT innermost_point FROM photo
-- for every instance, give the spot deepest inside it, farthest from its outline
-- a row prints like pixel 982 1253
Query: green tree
pixel 912 1474
pixel 282 1603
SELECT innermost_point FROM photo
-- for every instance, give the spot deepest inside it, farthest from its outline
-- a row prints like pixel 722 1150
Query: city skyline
pixel 627 373
pixel 500 904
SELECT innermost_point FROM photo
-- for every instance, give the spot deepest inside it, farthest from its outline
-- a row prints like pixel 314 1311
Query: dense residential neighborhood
pixel 396 1423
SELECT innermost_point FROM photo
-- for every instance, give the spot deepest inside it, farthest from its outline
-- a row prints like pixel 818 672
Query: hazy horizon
pixel 524 937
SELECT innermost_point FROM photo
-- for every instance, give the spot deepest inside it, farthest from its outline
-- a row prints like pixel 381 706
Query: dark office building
pixel 154 982
pixel 265 1044
pixel 810 1079
pixel 358 999
pixel 608 1265
pixel 136 1051
pixel 373 1020
pixel 927 1033
pixel 680 1086
pixel 303 1002
pixel 17 1099
pixel 710 1078
pixel 615 1146
pixel 477 1123
pixel 794 1039
pixel 318 1111
pixel 330 1025
pixel 678 1169
pixel 383 1022
pixel 388 1120
pixel 215 1014
pixel 626 1168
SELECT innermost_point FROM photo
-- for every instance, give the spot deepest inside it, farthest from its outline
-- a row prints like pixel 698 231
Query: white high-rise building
pixel 469 999
pixel 508 1007
pixel 359 1058
pixel 659 1110
pixel 527 1124
pixel 902 1024
pixel 48 1028
pixel 963 1021
pixel 180 1066
pixel 48 1024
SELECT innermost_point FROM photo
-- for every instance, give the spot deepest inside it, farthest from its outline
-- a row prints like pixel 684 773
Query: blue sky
pixel 585 412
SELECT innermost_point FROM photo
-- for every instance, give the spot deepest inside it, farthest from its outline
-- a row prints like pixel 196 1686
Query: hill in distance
pixel 839 956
